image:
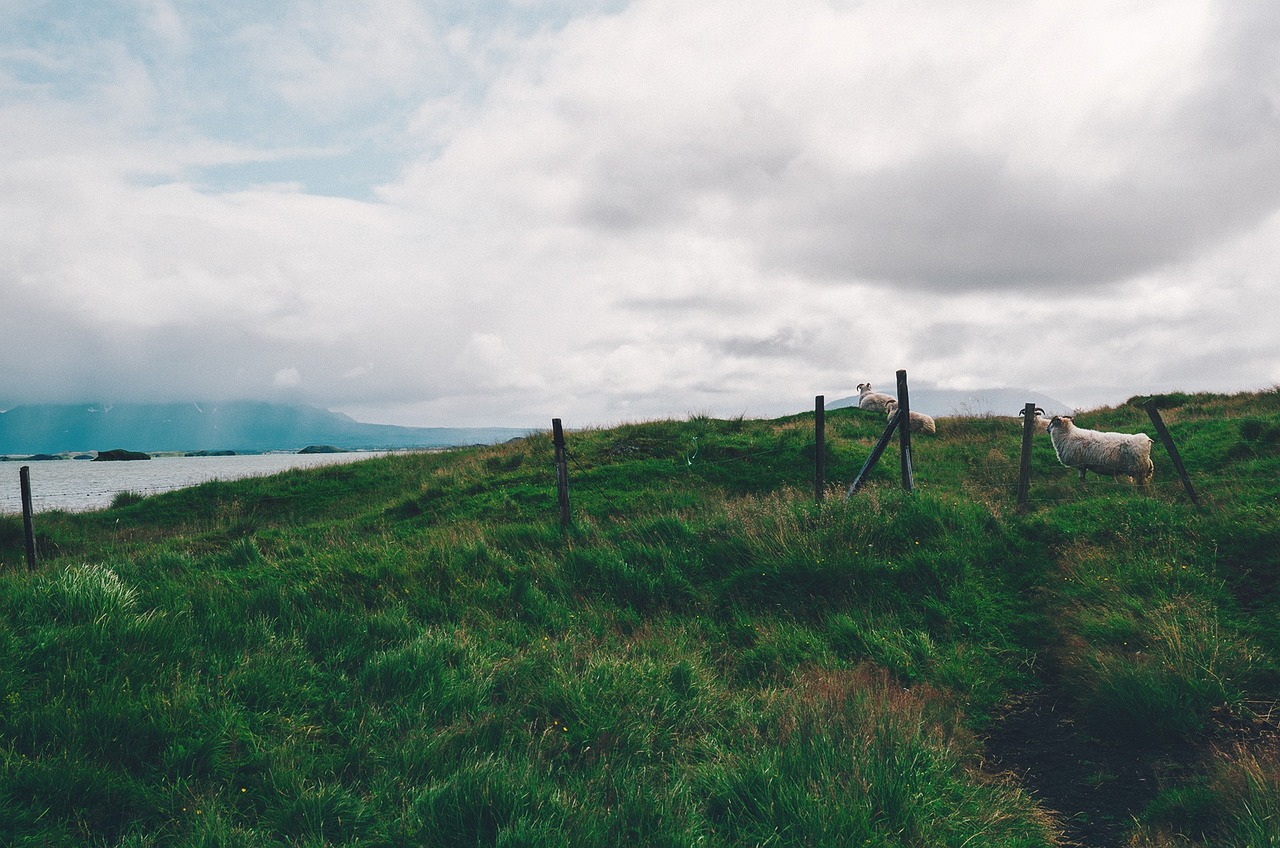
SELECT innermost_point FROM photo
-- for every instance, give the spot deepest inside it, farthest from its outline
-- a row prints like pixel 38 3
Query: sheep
pixel 1039 424
pixel 875 401
pixel 1112 454
pixel 920 423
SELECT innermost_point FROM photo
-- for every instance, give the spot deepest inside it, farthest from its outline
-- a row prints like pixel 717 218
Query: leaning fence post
pixel 819 447
pixel 1163 431
pixel 1024 468
pixel 904 432
pixel 24 478
pixel 562 471
pixel 875 455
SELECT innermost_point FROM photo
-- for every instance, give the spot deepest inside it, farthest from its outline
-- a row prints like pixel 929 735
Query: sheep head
pixel 864 387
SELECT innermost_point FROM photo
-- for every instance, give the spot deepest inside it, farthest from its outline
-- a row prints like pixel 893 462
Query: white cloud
pixel 287 378
pixel 165 22
pixel 325 56
pixel 893 151
pixel 666 208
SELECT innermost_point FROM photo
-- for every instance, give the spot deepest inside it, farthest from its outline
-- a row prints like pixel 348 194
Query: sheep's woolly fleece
pixel 1112 454
pixel 875 401
pixel 920 423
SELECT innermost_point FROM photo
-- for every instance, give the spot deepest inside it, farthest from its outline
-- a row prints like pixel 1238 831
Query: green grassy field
pixel 410 651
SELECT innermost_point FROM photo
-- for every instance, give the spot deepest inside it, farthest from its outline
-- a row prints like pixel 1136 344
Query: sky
pixel 461 213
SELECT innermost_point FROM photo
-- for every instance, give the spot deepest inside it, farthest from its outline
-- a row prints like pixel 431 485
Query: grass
pixel 409 650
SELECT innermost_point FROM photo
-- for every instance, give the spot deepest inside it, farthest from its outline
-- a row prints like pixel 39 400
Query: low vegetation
pixel 409 650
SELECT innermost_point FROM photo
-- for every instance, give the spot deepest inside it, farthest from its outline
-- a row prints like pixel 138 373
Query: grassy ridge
pixel 409 651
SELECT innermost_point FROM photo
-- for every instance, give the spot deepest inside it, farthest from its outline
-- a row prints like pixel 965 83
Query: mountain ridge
pixel 241 426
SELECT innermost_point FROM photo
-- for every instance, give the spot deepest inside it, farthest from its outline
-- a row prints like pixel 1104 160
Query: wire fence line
pixel 1002 476
pixel 676 468
pixel 1049 487
pixel 845 450
pixel 993 478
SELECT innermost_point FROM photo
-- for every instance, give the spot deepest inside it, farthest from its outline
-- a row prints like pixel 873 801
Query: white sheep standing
pixel 920 423
pixel 875 401
pixel 1112 454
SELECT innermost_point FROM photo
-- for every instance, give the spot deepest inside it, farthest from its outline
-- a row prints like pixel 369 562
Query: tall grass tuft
pixel 84 594
pixel 855 759
pixel 126 498
pixel 1236 805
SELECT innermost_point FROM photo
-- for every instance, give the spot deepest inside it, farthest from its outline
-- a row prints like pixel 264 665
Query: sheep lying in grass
pixel 920 423
pixel 875 401
pixel 1112 454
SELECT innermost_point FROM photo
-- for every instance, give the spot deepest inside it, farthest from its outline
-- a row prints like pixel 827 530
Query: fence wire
pixel 982 479
pixel 985 478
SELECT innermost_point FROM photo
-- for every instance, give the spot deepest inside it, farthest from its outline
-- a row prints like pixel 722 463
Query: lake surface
pixel 76 485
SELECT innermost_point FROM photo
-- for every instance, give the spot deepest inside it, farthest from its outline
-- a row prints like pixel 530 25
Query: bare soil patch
pixel 1095 788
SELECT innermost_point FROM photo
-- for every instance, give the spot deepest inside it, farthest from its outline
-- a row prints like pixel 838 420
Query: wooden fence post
pixel 875 455
pixel 24 478
pixel 1024 469
pixel 904 432
pixel 562 471
pixel 820 447
pixel 1163 431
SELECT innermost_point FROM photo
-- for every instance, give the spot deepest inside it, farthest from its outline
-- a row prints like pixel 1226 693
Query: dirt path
pixel 1094 788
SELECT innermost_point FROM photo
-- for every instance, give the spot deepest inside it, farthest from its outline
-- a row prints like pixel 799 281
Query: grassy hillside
pixel 410 651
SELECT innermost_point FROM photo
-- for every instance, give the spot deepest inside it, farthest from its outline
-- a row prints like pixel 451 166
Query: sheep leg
pixel 1081 476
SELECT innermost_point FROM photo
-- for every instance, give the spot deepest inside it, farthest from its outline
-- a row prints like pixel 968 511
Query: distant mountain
pixel 944 402
pixel 242 426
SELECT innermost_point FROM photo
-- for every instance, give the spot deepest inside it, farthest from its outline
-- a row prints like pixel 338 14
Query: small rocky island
pixel 119 455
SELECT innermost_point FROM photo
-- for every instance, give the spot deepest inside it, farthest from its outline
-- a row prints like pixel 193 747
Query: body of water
pixel 77 485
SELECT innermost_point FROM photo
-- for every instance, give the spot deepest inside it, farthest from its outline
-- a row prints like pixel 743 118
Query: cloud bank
pixel 496 214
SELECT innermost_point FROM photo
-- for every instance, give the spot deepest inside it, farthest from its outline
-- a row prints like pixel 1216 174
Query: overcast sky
pixel 485 213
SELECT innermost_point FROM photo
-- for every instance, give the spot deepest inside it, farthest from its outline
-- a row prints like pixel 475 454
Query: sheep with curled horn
pixel 920 423
pixel 873 400
pixel 1040 423
pixel 1113 454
